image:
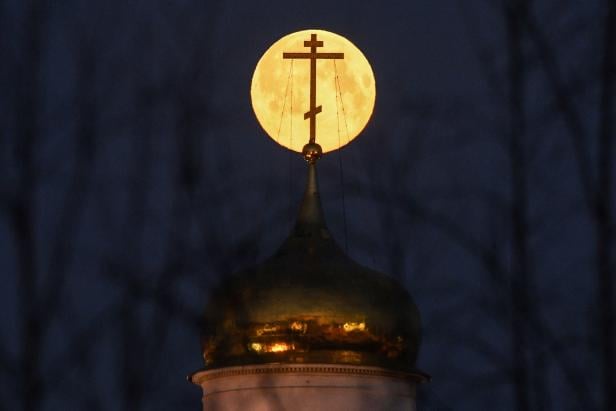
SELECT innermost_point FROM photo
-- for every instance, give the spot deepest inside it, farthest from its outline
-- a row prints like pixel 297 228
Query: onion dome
pixel 310 303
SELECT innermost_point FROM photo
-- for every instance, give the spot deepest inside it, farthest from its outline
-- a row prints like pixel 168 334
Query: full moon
pixel 345 89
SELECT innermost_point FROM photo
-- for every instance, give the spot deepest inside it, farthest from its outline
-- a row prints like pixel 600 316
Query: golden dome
pixel 310 303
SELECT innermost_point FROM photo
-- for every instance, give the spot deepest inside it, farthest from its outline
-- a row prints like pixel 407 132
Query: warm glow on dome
pixel 279 347
pixel 352 326
pixel 344 85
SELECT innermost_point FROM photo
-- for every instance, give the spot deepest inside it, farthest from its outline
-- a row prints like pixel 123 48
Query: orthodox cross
pixel 313 43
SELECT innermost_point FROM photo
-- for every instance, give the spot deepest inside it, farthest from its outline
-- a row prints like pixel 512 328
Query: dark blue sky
pixel 134 176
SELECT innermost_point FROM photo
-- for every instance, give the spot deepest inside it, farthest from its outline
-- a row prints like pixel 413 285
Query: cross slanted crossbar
pixel 313 43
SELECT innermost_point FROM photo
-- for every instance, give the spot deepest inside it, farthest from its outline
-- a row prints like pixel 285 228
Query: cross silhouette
pixel 313 43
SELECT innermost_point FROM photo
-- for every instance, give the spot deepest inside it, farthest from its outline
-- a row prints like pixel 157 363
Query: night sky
pixel 134 176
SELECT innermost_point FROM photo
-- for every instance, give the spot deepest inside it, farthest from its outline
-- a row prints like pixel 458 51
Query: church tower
pixel 309 328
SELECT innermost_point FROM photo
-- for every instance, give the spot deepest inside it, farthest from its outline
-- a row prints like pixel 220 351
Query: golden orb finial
pixel 312 152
